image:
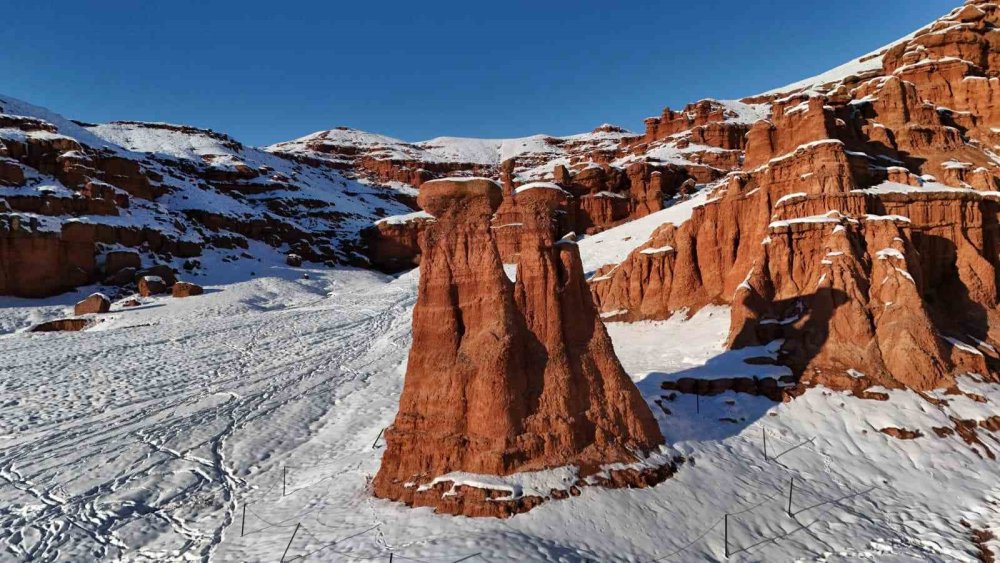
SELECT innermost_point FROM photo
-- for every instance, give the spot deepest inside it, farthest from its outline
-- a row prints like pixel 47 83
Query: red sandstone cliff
pixel 862 229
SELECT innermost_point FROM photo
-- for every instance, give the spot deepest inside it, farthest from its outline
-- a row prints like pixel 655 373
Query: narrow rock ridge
pixel 506 377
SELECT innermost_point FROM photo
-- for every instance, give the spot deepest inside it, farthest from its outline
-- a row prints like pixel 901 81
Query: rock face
pixel 392 243
pixel 863 229
pixel 77 198
pixel 35 262
pixel 504 376
pixel 94 304
pixel 151 285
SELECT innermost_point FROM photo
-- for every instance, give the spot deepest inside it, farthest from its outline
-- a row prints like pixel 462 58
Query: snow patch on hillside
pixel 614 245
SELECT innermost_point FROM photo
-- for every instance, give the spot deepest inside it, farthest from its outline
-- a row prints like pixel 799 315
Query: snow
pixel 535 483
pixel 887 253
pixel 539 186
pixel 659 250
pixel 614 245
pixel 511 271
pixel 147 436
pixel 406 218
pixel 745 113
pixel 790 197
pixel 830 217
pixel 866 63
pixel 962 345
pixel 893 218
pixel 929 186
pixel 339 145
pixel 163 139
pixel 13 106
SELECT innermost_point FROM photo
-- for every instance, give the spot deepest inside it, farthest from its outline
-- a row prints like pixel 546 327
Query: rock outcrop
pixel 94 304
pixel 151 285
pixel 186 289
pixel 863 229
pixel 503 376
pixel 391 243
pixel 82 204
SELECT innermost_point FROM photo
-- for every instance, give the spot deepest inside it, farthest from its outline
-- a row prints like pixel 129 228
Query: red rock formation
pixel 37 263
pixel 896 285
pixel 391 243
pixel 504 377
pixel 186 289
pixel 63 325
pixel 707 121
pixel 151 285
pixel 94 304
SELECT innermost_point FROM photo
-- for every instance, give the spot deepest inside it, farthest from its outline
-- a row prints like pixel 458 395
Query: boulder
pixel 293 260
pixel 186 289
pixel 391 243
pixel 94 304
pixel 151 285
pixel 122 277
pixel 165 273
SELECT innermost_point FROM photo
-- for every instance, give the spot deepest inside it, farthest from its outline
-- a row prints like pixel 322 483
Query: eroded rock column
pixel 507 377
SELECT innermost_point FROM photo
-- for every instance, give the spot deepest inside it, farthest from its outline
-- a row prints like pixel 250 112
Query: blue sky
pixel 271 71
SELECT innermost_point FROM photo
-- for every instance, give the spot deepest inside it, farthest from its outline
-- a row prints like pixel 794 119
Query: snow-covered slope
pixel 351 148
pixel 150 437
pixel 866 63
pixel 188 186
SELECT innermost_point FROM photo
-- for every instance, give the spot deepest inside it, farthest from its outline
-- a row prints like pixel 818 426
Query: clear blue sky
pixel 271 71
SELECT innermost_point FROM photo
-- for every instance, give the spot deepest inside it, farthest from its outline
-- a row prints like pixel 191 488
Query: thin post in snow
pixel 763 432
pixel 375 443
pixel 243 523
pixel 791 487
pixel 390 557
pixel 697 403
pixel 284 480
pixel 290 540
pixel 726 534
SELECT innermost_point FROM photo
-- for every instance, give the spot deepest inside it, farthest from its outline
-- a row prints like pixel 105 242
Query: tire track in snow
pixel 259 381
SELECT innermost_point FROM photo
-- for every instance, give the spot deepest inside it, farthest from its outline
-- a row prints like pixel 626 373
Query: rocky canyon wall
pixel 862 230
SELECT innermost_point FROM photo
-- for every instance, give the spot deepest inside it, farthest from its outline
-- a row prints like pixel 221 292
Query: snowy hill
pixel 170 194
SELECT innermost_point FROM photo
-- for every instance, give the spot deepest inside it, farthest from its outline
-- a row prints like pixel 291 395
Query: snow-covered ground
pixel 220 426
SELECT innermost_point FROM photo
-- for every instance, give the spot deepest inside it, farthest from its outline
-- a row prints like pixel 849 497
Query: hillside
pixel 164 194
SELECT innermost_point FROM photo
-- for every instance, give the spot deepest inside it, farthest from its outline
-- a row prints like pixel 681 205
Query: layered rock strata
pixel 506 377
pixel 862 231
